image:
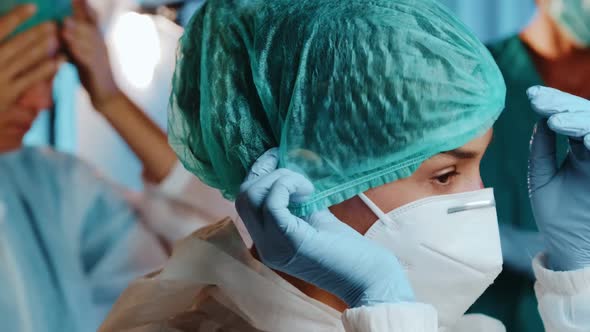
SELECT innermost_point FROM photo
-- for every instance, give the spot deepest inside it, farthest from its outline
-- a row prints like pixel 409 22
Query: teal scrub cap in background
pixel 47 10
pixel 355 93
pixel 573 16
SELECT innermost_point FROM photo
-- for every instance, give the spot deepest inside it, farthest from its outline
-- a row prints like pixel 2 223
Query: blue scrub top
pixel 69 243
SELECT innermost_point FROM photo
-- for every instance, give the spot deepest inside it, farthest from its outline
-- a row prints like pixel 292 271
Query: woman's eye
pixel 445 179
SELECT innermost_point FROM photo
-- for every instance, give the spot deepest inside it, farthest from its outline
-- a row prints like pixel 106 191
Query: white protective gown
pixel 212 283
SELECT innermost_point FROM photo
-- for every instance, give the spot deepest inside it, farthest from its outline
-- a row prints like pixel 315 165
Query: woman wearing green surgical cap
pixel 350 133
pixel 554 50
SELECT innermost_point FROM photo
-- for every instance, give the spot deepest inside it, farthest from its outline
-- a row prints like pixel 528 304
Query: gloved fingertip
pixel 272 152
pixel 542 159
pixel 269 157
pixel 555 122
pixel 298 186
pixel 572 124
pixel 534 91
pixel 304 190
pixel 264 165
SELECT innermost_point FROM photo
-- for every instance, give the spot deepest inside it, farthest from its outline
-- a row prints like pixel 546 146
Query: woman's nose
pixel 475 184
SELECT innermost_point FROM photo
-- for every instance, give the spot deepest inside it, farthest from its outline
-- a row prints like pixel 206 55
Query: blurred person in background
pixel 70 240
pixel 174 203
pixel 554 50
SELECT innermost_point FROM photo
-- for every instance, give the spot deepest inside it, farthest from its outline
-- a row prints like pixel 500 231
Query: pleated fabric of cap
pixel 355 93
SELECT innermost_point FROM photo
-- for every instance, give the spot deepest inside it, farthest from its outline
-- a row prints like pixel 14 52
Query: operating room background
pixel 142 53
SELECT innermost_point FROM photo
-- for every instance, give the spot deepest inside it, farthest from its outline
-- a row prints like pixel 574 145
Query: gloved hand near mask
pixel 319 249
pixel 560 196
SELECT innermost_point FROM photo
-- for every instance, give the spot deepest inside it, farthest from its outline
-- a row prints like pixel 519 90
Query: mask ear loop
pixel 373 207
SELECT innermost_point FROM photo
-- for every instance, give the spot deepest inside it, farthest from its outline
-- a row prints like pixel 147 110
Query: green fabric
pixel 573 16
pixel 355 93
pixel 504 167
pixel 47 10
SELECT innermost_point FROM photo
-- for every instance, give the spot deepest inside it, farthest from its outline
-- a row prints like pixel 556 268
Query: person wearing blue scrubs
pixel 552 51
pixel 69 240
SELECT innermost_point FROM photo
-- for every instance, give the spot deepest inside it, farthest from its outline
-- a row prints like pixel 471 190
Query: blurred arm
pixel 564 297
pixel 115 247
pixel 89 53
pixel 143 136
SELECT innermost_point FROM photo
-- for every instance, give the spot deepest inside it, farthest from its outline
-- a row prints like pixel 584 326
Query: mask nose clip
pixel 472 206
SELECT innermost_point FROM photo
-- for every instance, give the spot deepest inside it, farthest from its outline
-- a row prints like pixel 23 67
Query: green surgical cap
pixel 355 93
pixel 47 10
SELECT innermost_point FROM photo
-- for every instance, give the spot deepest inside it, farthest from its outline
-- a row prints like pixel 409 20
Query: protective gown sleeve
pixel 177 183
pixel 564 297
pixel 114 246
pixel 181 204
pixel 412 317
pixel 399 317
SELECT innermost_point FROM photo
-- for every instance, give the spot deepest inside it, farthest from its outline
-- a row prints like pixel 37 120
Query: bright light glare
pixel 137 47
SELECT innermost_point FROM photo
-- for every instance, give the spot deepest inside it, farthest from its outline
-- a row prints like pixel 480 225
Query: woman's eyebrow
pixel 462 154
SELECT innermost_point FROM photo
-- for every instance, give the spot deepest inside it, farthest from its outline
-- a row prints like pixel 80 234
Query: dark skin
pixel 446 173
pixel 561 63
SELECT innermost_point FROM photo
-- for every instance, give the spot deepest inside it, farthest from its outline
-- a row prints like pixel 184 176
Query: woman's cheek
pixel 473 184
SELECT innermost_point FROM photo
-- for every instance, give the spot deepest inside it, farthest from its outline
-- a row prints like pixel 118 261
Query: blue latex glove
pixel 519 247
pixel 319 249
pixel 560 196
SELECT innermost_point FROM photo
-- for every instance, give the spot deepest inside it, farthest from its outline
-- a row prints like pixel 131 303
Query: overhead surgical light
pixel 137 47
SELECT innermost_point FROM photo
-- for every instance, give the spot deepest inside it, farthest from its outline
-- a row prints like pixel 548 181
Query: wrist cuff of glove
pixel 561 282
pixel 401 316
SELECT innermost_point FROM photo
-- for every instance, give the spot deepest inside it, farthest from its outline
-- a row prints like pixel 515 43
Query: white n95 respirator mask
pixel 449 246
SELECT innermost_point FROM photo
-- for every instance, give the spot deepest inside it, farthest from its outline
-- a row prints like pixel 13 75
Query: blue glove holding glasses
pixel 560 196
